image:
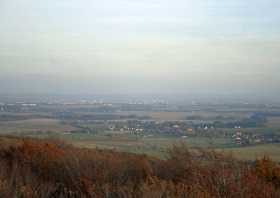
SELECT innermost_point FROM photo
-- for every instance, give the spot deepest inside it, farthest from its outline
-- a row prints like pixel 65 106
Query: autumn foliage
pixel 38 168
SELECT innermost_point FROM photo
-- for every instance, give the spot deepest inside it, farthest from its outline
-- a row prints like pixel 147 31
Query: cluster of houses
pixel 238 135
pixel 247 138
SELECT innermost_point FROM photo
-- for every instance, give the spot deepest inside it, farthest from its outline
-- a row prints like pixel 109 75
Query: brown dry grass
pixel 32 168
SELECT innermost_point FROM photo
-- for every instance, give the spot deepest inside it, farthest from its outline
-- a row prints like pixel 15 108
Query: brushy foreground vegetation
pixel 32 168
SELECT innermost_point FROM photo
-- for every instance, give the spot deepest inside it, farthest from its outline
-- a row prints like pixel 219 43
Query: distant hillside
pixel 31 168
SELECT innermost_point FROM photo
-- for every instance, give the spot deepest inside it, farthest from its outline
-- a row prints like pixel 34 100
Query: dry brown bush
pixel 39 168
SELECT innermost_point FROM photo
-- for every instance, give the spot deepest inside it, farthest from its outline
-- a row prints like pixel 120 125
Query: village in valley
pixel 139 126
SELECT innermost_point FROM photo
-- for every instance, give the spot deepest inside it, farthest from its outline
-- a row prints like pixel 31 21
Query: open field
pixel 273 122
pixel 34 125
pixel 175 115
pixel 169 115
pixel 151 145
pixel 254 152
pixel 157 146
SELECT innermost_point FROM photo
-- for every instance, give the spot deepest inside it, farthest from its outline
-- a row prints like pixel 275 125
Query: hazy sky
pixel 133 46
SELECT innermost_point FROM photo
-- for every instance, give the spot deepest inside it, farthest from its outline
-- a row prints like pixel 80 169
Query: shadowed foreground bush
pixel 35 168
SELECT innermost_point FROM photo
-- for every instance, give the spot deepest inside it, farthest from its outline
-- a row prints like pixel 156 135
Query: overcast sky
pixel 133 46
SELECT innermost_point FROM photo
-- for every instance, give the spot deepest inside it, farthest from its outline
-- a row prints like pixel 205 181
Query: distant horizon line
pixel 169 97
